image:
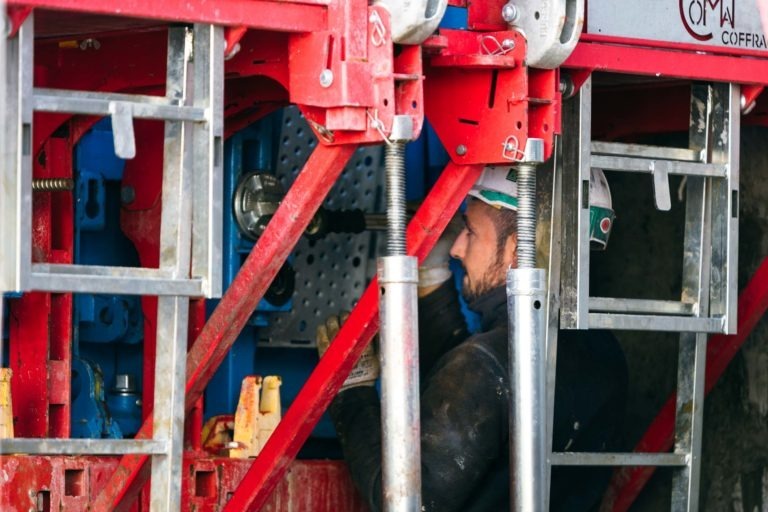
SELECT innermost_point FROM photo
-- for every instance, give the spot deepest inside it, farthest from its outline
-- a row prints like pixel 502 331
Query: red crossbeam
pixel 324 382
pixel 285 16
pixel 238 303
pixel 620 58
pixel 628 482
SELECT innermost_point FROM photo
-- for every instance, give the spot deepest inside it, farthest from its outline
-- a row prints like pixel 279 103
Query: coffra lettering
pixel 743 39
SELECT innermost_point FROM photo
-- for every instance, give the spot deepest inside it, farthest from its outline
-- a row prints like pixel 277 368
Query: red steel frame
pixel 314 16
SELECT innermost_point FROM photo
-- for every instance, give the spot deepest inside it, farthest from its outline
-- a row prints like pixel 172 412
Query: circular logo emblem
pixel 605 225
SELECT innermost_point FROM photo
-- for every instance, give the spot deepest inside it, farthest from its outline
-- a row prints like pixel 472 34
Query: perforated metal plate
pixel 332 272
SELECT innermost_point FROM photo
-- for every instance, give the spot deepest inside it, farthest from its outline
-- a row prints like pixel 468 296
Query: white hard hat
pixel 497 186
pixel 601 214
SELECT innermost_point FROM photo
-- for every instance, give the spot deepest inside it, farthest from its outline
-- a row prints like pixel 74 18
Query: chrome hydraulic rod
pixel 399 348
pixel 526 295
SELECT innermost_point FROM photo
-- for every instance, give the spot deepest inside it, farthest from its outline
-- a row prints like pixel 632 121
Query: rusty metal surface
pixel 71 483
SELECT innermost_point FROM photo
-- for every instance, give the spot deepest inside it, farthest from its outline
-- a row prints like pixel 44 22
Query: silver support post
pixel 172 312
pixel 4 156
pixel 700 256
pixel 526 299
pixel 689 419
pixel 208 162
pixel 400 421
pixel 724 112
pixel 526 294
pixel 398 276
pixel 553 297
pixel 16 159
pixel 577 124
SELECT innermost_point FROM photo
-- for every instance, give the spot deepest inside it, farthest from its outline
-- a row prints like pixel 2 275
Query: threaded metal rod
pixel 394 162
pixel 526 215
pixel 53 184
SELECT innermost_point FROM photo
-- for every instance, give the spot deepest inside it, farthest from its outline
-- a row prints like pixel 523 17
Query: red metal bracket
pixel 17 15
pixel 627 483
pixel 326 380
pixel 348 92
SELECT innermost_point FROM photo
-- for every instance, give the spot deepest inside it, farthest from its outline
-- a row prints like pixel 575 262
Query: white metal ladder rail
pixel 709 265
pixel 190 247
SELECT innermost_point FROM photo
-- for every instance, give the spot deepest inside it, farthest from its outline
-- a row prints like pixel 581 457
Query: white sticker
pixel 732 24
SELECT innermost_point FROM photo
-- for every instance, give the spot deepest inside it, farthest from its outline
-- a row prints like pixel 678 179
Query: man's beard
pixel 492 278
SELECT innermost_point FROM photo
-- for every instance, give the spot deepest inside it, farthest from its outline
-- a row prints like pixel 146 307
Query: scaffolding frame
pixel 291 16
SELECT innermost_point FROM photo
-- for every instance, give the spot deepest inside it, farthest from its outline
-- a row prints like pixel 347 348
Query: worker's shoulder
pixel 486 349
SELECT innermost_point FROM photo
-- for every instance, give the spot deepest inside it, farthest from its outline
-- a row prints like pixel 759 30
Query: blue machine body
pixel 108 329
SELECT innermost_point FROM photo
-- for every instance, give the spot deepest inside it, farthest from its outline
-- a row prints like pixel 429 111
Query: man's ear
pixel 510 252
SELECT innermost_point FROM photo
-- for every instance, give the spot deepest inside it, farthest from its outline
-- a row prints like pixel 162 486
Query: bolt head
pixel 127 194
pixel 326 78
pixel 461 150
pixel 510 13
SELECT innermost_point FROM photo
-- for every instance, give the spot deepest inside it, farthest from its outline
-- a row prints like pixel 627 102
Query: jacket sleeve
pixel 463 428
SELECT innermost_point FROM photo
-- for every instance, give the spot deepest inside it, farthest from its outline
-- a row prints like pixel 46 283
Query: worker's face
pixel 477 248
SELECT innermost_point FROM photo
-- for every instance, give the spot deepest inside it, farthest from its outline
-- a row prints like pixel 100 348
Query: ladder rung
pixel 631 164
pixel 618 459
pixel 654 323
pixel 83 446
pixel 643 151
pixel 96 103
pixel 640 306
pixel 110 280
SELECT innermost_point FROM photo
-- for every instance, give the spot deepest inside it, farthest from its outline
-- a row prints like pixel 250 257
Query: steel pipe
pixel 400 419
pixel 526 293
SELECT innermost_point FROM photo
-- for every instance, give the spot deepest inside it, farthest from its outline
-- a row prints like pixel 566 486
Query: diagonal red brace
pixel 238 303
pixel 627 482
pixel 324 382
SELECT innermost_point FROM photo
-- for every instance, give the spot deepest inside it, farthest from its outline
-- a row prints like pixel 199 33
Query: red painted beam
pixel 238 303
pixel 664 62
pixel 284 16
pixel 325 381
pixel 628 482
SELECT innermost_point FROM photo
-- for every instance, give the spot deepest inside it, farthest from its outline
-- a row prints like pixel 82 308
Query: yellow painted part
pixel 217 433
pixel 270 408
pixel 6 404
pixel 247 419
pixel 257 416
pixel 270 396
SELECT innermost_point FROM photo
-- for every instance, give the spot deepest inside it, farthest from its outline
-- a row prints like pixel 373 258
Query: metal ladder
pixel 709 287
pixel 190 246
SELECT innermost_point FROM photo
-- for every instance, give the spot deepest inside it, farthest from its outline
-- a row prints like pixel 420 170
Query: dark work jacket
pixel 464 404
